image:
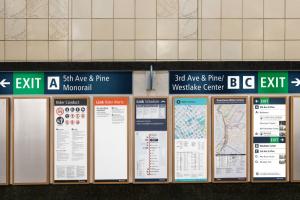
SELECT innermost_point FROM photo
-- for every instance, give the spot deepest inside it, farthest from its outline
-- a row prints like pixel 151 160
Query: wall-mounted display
pixel 4 141
pixel 30 141
pixel 190 139
pixel 229 136
pixel 269 139
pixel 151 140
pixel 71 136
pixel 111 139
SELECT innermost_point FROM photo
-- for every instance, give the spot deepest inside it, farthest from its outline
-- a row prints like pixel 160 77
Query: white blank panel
pixel 111 139
pixel 296 139
pixel 30 141
pixel 3 141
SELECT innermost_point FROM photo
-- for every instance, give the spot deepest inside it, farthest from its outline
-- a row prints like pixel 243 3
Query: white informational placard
pixel 4 141
pixel 30 141
pixel 151 140
pixel 110 141
pixel 230 139
pixel 190 139
pixel 295 109
pixel 70 139
pixel 269 139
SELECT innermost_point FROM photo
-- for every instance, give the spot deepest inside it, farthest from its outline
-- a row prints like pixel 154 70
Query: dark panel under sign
pixel 88 83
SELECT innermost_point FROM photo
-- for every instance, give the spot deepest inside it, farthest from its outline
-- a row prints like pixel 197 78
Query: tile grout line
pixel 202 30
pixel 134 33
pixel 69 43
pixel 91 34
pixel 178 29
pixel 263 52
pixel 284 36
pixel 221 37
pixel 113 20
pixel 242 36
pixel 4 29
pixel 156 38
pixel 197 31
pixel 26 32
pixel 48 31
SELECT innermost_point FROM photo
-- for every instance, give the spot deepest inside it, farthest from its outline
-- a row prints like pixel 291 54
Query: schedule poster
pixel 151 140
pixel 269 139
pixel 70 139
pixel 230 139
pixel 111 136
pixel 190 139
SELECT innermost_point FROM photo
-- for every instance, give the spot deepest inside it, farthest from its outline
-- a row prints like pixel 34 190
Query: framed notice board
pixel 295 139
pixel 230 139
pixel 190 139
pixel 111 124
pixel 270 139
pixel 30 140
pixel 4 141
pixel 151 140
pixel 71 139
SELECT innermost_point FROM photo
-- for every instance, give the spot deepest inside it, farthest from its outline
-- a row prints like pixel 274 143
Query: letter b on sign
pixel 53 83
pixel 233 82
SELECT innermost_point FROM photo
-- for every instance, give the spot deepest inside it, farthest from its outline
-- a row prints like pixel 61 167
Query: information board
pixel 30 143
pixel 229 133
pixel 269 132
pixel 295 139
pixel 111 139
pixel 151 140
pixel 190 139
pixel 4 141
pixel 71 139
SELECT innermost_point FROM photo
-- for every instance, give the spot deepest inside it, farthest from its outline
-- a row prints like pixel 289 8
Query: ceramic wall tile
pixel 37 8
pixel 167 8
pixel 15 29
pixel 15 8
pixel 59 8
pixel 58 29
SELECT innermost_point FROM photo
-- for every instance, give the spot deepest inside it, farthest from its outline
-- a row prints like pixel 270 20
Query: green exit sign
pixel 272 82
pixel 274 139
pixel 264 100
pixel 28 83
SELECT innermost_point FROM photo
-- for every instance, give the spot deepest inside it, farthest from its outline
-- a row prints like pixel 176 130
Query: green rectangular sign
pixel 28 83
pixel 273 82
pixel 274 139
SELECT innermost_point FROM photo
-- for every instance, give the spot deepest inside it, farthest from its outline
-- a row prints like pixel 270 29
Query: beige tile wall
pixel 104 30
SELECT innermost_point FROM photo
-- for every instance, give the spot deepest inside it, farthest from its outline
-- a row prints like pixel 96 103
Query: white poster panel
pixel 269 139
pixel 230 139
pixel 3 140
pixel 70 139
pixel 190 139
pixel 151 140
pixel 31 141
pixel 295 139
pixel 111 129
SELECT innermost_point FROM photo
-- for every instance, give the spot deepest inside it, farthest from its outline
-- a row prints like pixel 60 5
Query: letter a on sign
pixel 53 83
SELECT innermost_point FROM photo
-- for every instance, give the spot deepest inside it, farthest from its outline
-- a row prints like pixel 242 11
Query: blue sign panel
pixel 234 82
pixel 27 83
pixel 88 83
pixel 6 79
